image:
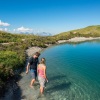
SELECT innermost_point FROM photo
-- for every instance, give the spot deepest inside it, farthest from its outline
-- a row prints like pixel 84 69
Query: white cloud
pixel 1 29
pixel 23 29
pixel 4 24
pixel 6 29
pixel 14 30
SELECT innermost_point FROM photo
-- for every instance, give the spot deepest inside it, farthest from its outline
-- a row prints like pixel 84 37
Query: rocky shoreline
pixel 78 39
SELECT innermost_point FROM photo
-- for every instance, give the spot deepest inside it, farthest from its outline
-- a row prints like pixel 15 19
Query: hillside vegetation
pixel 13 46
pixel 90 31
pixel 12 53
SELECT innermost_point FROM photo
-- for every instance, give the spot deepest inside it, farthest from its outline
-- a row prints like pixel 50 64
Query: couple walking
pixel 39 69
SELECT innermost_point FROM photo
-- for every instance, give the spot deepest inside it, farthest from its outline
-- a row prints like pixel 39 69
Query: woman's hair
pixel 42 61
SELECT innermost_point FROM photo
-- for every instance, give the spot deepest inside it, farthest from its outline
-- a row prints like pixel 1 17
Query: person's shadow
pixel 58 83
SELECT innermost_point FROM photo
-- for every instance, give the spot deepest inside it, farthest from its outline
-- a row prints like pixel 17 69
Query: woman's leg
pixel 42 84
pixel 41 89
pixel 41 92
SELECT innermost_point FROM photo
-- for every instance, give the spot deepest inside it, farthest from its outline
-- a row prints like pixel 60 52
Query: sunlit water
pixel 73 71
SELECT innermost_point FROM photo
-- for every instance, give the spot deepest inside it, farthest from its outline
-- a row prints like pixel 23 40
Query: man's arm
pixel 27 68
pixel 28 65
pixel 38 62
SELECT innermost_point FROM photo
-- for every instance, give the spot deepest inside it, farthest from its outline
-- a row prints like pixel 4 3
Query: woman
pixel 41 70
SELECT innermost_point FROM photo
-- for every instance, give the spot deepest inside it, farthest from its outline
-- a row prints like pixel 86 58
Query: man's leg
pixel 33 79
pixel 32 82
pixel 36 79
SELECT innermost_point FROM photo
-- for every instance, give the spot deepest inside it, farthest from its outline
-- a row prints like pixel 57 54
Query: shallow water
pixel 73 71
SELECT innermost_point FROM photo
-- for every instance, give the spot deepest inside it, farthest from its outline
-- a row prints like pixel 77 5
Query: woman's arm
pixel 45 73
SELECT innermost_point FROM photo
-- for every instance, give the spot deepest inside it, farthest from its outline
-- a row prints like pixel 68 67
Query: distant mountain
pixel 39 34
pixel 26 33
pixel 44 34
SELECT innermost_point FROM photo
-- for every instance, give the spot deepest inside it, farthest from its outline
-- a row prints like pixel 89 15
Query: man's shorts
pixel 33 73
pixel 42 81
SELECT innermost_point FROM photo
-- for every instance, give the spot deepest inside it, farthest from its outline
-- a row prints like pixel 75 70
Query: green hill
pixel 90 31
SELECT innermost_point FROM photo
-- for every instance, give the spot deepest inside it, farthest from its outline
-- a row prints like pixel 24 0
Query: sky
pixel 53 16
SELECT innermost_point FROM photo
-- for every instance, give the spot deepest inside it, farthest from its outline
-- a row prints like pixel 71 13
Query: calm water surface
pixel 73 71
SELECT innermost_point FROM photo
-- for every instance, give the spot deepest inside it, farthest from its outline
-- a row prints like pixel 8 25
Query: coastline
pixel 34 49
pixel 31 51
pixel 23 83
pixel 38 49
pixel 74 40
pixel 78 39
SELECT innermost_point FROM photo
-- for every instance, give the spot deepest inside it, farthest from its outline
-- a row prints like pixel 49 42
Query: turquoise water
pixel 73 71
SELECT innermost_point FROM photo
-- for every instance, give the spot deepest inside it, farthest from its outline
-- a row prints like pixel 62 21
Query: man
pixel 32 65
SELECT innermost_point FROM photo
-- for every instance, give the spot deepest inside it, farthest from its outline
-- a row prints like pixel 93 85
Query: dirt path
pixel 23 91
